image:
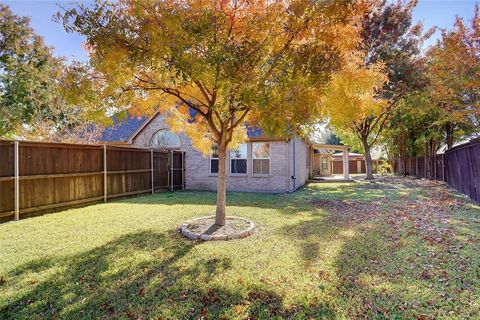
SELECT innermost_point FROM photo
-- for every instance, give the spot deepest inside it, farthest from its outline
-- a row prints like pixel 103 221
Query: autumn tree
pixel 231 62
pixel 353 105
pixel 391 48
pixel 414 129
pixel 445 108
pixel 454 75
pixel 389 36
pixel 27 72
pixel 34 87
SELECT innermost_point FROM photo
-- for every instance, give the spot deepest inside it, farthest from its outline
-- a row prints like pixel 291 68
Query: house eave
pixel 265 139
pixel 330 147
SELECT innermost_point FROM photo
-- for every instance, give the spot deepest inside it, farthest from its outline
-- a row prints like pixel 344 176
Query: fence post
pixel 151 161
pixel 425 167
pixel 17 180
pixel 444 178
pixel 435 166
pixel 183 170
pixel 416 166
pixel 105 173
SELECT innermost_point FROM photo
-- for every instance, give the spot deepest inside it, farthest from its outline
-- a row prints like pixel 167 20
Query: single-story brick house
pixel 261 164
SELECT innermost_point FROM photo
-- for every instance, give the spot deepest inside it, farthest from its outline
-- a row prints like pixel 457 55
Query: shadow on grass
pixel 140 275
pixel 377 270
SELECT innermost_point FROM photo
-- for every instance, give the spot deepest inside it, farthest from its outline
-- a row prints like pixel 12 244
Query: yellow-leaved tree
pixel 232 62
pixel 353 106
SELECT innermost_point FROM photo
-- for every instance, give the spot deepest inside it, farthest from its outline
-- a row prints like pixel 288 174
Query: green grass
pixel 401 251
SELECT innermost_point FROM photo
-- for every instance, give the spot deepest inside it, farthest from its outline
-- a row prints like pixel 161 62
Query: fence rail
pixel 36 176
pixel 459 167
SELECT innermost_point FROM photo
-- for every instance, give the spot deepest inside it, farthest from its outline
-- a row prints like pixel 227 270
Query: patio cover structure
pixel 332 148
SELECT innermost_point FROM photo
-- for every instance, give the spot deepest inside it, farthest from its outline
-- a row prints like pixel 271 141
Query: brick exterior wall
pixel 301 163
pixel 197 173
pixel 197 166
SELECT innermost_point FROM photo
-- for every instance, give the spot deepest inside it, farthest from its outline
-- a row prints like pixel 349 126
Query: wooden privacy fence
pixel 38 176
pixel 459 167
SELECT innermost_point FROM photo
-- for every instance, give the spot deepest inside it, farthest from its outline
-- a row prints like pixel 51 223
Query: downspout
pixel 287 176
pixel 293 176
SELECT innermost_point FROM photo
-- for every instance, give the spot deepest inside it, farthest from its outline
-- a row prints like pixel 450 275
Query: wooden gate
pixel 168 173
pixel 161 171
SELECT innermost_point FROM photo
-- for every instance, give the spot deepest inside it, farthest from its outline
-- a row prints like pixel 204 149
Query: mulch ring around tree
pixel 204 228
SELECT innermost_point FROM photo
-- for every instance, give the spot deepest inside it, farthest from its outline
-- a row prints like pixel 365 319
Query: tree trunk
pixel 449 134
pixel 430 151
pixel 368 158
pixel 220 217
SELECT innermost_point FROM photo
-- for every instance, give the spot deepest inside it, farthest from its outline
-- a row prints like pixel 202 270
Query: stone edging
pixel 206 237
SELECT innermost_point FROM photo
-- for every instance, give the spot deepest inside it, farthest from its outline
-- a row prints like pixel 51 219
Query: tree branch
pixel 202 89
pixel 379 131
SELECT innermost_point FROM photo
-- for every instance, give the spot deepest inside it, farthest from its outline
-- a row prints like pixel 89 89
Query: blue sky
pixel 439 13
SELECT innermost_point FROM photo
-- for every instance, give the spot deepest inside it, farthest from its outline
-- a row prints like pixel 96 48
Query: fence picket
pixel 39 176
pixel 460 168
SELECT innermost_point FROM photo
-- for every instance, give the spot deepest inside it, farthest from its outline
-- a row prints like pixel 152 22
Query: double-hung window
pixel 214 160
pixel 324 163
pixel 261 158
pixel 238 159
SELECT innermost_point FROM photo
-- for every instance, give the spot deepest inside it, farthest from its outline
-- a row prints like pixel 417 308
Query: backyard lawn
pixel 400 248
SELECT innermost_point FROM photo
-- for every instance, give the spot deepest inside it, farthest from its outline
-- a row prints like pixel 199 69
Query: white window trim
pixel 167 131
pixel 269 161
pixel 229 158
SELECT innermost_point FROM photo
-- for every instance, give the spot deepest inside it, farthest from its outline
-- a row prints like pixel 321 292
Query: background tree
pixel 389 37
pixel 27 72
pixel 322 133
pixel 413 129
pixel 231 62
pixel 454 74
pixel 34 92
pixel 445 108
pixel 332 138
pixel 354 107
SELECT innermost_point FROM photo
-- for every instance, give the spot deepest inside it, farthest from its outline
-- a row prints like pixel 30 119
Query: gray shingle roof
pixel 122 128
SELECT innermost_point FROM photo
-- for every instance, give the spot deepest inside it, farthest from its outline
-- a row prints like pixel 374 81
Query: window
pixel 238 160
pixel 164 139
pixel 214 160
pixel 261 158
pixel 324 163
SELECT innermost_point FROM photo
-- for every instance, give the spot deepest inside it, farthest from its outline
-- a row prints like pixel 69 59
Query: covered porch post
pixel 346 168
